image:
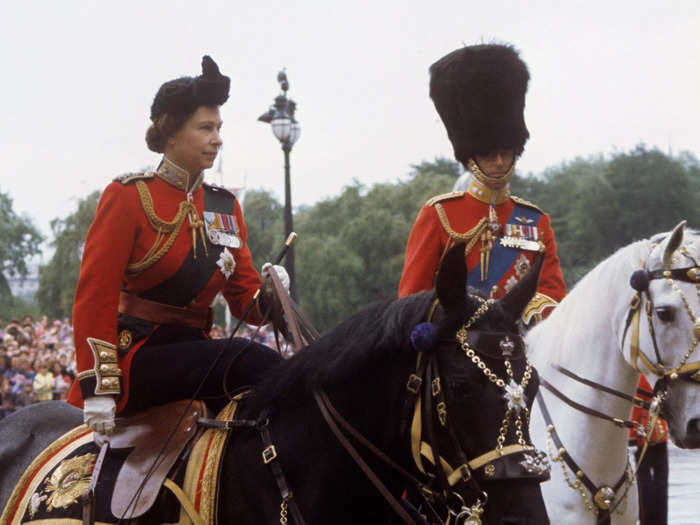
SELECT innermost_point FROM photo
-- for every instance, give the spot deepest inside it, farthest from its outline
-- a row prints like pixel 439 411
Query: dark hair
pixel 163 128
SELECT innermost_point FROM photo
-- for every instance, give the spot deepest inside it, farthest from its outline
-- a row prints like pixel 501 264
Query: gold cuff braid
pixel 107 371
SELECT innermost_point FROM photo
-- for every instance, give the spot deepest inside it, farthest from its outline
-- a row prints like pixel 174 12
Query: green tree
pixel 598 205
pixel 58 278
pixel 19 240
pixel 263 219
pixel 351 248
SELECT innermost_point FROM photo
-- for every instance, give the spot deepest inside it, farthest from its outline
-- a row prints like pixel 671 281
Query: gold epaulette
pixel 131 177
pixel 536 307
pixel 444 197
pixel 523 202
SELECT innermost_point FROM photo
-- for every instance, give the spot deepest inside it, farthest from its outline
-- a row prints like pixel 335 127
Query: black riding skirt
pixel 175 361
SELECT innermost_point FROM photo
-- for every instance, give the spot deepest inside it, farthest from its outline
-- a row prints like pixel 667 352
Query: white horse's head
pixel 669 329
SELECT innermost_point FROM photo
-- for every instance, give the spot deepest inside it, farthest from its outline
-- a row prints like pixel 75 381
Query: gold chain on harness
pixel 186 209
pixel 513 392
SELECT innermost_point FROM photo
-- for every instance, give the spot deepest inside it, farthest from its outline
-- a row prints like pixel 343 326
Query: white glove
pixel 281 273
pixel 98 414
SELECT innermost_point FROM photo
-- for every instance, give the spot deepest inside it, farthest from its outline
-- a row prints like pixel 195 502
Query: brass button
pixel 125 339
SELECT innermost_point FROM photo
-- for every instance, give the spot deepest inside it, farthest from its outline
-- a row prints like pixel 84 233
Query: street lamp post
pixel 280 116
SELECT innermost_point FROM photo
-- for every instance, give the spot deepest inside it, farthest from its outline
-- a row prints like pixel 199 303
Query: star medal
pixel 515 395
pixel 226 263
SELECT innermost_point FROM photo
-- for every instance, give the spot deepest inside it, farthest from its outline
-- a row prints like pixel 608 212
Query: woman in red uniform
pixel 161 246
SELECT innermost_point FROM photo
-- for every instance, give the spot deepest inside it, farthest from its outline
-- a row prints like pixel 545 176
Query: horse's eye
pixel 665 314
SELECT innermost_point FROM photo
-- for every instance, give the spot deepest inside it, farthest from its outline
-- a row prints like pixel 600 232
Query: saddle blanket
pixel 49 492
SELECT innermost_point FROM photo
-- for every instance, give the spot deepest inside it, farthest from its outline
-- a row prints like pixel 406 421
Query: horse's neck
pixel 584 335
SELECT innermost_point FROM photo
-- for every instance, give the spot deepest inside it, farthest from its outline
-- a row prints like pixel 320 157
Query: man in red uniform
pixel 479 92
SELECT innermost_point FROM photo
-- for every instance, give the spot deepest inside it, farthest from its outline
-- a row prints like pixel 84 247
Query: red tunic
pixel 121 234
pixel 429 240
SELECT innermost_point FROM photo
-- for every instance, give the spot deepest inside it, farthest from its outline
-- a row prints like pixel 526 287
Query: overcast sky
pixel 78 79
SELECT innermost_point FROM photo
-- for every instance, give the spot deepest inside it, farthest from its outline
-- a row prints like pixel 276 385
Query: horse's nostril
pixel 694 427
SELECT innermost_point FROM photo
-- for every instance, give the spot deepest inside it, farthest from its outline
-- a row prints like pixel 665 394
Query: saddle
pixel 145 433
pixel 74 481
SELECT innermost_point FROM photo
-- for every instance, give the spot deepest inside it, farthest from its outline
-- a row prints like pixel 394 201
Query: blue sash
pixel 502 258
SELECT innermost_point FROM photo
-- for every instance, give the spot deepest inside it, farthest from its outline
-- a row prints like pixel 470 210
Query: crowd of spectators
pixel 37 358
pixel 37 361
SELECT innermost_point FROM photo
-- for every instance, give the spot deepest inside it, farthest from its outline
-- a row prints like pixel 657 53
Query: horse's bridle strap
pixel 492 455
pixel 416 435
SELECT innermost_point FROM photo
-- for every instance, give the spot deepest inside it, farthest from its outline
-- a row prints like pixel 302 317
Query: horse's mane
pixel 377 330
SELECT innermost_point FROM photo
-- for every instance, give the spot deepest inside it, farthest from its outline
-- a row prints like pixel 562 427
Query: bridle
pixel 425 410
pixel 603 497
pixel 640 282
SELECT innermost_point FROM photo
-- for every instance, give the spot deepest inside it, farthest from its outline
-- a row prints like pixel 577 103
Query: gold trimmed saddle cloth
pixel 49 492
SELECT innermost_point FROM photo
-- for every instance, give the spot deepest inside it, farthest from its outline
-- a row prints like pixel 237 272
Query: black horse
pixel 367 367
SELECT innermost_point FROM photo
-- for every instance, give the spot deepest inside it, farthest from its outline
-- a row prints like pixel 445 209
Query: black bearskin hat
pixel 185 94
pixel 479 92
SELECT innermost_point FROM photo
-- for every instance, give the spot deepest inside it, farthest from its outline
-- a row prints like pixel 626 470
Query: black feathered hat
pixel 479 92
pixel 185 94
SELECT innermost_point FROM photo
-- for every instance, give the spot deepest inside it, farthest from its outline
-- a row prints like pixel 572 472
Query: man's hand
pixel 281 273
pixel 98 414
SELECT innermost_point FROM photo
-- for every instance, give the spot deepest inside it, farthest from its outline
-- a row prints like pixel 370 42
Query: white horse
pixel 593 334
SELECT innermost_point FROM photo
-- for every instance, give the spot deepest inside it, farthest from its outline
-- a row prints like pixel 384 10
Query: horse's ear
pixel 451 284
pixel 517 298
pixel 672 243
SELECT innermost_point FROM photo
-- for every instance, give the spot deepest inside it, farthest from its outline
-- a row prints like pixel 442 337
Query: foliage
pixel 264 221
pixel 351 248
pixel 19 240
pixel 13 307
pixel 58 278
pixel 598 205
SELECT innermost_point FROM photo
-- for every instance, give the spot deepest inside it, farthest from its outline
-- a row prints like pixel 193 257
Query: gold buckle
pixel 413 384
pixel 269 454
pixel 435 385
pixel 442 413
pixel 636 300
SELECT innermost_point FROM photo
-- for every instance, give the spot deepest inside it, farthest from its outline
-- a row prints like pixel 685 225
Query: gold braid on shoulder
pixel 155 253
pixel 470 237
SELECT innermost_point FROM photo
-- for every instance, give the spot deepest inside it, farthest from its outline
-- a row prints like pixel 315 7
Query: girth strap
pixel 88 498
pixel 185 501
